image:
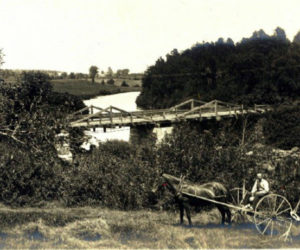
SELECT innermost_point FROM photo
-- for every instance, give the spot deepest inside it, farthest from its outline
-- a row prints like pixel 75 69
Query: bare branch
pixel 13 137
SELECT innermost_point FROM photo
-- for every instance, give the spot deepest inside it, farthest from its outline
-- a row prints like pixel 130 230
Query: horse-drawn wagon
pixel 272 215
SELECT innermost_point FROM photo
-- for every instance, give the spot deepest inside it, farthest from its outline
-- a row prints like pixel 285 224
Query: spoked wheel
pixel 238 199
pixel 272 216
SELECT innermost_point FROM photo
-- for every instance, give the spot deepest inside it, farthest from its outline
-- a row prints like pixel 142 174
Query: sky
pixel 72 35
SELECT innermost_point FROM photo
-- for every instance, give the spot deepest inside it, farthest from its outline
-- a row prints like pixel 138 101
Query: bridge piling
pixel 141 134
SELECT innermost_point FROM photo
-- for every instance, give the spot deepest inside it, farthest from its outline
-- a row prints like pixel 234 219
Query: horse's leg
pixel 228 213
pixel 181 208
pixel 221 209
pixel 188 214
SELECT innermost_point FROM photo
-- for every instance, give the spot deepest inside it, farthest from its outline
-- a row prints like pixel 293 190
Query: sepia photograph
pixel 149 124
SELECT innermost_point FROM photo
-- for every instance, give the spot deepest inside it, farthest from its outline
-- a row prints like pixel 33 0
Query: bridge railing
pixel 84 112
pixel 191 103
pixel 214 107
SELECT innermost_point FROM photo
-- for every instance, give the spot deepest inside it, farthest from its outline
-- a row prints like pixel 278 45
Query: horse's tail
pixel 229 198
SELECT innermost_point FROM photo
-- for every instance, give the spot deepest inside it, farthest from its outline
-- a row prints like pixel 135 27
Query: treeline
pixel 259 69
pixel 14 75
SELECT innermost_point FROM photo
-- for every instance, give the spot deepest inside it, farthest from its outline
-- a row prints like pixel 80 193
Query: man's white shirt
pixel 263 185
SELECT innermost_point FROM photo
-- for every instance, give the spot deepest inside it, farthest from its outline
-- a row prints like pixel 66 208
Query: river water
pixel 125 101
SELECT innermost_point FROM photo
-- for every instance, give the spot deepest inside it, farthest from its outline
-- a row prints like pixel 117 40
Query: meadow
pixel 85 89
pixel 53 226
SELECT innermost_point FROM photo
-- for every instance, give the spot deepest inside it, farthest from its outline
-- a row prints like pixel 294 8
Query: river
pixel 125 101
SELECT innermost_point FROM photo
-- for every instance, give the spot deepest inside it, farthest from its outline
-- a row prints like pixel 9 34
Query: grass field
pixel 86 227
pixel 85 89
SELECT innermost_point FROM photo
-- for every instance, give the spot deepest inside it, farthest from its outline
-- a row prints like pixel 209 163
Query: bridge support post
pixel 141 134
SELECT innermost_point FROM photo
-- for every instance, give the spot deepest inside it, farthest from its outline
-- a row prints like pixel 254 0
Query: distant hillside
pixel 259 69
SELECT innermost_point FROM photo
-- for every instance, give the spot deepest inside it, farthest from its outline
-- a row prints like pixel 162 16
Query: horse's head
pixel 174 184
pixel 168 182
pixel 160 185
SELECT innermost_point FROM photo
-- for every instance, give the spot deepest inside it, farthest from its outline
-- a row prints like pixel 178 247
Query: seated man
pixel 260 189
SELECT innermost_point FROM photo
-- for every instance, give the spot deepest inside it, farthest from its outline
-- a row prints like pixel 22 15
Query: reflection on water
pixel 125 101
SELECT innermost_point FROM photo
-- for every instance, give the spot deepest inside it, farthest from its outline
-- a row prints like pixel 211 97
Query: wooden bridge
pixel 110 117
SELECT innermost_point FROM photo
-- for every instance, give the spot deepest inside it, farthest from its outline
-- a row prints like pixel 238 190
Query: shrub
pixel 282 128
pixel 26 178
pixel 114 175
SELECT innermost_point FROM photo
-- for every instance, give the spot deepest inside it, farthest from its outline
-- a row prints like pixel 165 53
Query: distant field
pixel 85 89
pixel 69 228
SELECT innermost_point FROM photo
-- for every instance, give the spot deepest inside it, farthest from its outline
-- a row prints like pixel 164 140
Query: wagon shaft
pixel 218 202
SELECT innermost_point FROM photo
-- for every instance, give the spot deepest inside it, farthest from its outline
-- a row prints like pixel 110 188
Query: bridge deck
pixel 112 116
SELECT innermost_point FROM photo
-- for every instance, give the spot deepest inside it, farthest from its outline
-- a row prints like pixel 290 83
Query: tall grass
pixel 91 227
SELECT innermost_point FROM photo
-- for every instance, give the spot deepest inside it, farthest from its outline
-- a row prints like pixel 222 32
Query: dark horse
pixel 211 190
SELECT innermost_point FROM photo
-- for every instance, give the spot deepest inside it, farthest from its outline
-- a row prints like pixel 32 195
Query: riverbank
pixel 88 227
pixel 84 89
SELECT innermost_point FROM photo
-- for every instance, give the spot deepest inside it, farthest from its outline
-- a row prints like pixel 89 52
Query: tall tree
pixel 109 72
pixel 93 72
pixel 297 38
pixel 280 34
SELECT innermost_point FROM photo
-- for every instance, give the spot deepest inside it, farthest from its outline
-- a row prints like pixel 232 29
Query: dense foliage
pixel 120 175
pixel 115 175
pixel 261 69
pixel 282 128
pixel 30 117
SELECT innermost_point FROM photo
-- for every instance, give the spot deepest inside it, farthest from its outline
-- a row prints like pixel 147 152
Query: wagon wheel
pixel 272 215
pixel 238 199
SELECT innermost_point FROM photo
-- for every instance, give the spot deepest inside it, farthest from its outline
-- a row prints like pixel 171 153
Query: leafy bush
pixel 201 156
pixel 113 176
pixel 282 128
pixel 27 178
